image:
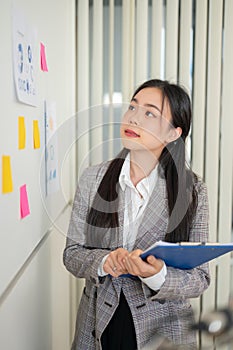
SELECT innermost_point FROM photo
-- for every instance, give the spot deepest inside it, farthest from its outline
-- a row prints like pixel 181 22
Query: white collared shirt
pixel 136 200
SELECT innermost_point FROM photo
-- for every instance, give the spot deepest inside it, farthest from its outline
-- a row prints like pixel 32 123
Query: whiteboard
pixel 54 24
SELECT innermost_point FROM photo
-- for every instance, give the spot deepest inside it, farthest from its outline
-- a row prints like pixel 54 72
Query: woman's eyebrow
pixel 147 105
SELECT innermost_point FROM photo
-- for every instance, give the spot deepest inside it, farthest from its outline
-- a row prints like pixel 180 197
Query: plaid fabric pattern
pixel 168 312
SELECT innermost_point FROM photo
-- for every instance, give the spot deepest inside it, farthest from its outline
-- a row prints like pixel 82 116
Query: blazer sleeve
pixel 81 261
pixel 189 283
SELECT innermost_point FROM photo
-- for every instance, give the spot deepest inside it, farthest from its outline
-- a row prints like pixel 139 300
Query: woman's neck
pixel 141 165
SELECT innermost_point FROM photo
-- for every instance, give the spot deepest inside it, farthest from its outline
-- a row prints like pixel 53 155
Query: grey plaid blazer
pixel 167 312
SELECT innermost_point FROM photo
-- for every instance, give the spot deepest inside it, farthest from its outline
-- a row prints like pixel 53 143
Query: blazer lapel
pixel 155 217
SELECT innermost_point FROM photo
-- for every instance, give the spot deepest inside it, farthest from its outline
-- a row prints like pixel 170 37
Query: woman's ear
pixel 174 134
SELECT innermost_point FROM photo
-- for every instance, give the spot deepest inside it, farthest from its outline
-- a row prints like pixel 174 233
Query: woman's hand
pixel 114 263
pixel 137 267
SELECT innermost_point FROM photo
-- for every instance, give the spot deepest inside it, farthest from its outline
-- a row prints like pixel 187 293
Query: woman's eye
pixel 131 108
pixel 150 115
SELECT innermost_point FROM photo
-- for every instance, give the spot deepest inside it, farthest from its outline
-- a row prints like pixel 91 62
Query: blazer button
pixel 94 335
pixel 161 301
pixel 92 280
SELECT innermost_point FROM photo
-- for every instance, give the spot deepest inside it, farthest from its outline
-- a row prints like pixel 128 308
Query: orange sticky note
pixel 7 183
pixel 43 62
pixel 24 205
pixel 36 134
pixel 21 133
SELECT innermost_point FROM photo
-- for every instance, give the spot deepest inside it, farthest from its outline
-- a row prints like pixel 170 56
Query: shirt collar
pixel 145 186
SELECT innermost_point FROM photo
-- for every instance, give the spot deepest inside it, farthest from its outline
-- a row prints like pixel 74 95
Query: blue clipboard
pixel 186 255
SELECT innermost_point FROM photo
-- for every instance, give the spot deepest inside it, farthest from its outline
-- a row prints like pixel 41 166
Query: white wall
pixel 34 285
pixel 35 313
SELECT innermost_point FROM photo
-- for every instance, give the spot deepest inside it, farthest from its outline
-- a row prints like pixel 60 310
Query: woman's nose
pixel 135 117
pixel 134 121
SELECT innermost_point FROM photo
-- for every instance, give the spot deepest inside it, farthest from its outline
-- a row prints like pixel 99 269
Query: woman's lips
pixel 131 133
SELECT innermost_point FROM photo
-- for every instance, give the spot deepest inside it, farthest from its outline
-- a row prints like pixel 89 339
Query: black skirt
pixel 120 332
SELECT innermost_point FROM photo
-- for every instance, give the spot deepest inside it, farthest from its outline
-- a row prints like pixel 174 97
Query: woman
pixel 122 207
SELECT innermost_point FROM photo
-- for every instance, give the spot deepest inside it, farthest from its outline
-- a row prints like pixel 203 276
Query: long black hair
pixel 180 180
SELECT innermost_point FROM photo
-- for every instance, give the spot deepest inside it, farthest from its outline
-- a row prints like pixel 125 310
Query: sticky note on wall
pixel 24 205
pixel 43 61
pixel 7 183
pixel 36 134
pixel 21 133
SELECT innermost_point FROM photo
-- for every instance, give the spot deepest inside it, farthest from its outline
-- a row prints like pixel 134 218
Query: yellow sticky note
pixel 21 132
pixel 7 183
pixel 36 134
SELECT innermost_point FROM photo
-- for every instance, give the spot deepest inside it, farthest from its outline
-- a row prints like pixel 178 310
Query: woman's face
pixel 145 126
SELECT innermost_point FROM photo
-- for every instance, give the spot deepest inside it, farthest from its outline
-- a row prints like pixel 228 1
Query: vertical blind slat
pixel 226 154
pixel 111 75
pixel 171 55
pixel 156 39
pixel 127 47
pixel 111 49
pixel 198 127
pixel 199 87
pixel 97 83
pixel 141 42
pixel 82 120
pixel 185 43
pixel 83 83
pixel 212 130
pixel 131 63
pixel 83 54
pixel 226 158
pixel 213 109
pixel 185 52
pixel 97 53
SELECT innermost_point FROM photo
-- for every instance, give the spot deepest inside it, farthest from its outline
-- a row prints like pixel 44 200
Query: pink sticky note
pixel 24 206
pixel 43 62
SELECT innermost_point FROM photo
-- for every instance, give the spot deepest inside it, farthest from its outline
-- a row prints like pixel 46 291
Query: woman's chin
pixel 132 144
